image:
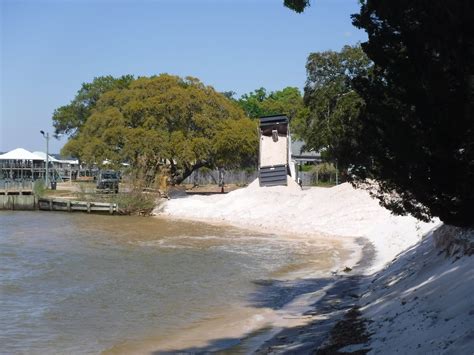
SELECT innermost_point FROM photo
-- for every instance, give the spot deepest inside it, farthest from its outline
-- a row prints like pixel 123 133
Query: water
pixel 78 283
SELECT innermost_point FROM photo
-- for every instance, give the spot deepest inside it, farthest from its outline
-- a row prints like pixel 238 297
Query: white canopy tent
pixel 20 154
pixel 43 156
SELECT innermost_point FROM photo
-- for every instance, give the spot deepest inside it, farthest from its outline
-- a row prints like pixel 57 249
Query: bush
pixel 135 203
pixel 39 188
pixel 324 172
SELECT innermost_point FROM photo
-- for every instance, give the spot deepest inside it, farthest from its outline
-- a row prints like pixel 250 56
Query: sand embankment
pixel 415 298
pixel 340 211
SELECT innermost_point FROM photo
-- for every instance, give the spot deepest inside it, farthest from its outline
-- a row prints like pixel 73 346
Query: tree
pixel 333 104
pixel 415 130
pixel 165 121
pixel 69 118
pixel 287 101
pixel 251 103
pixel 418 125
pixel 297 5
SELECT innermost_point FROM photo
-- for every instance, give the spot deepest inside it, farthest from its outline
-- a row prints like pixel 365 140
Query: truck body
pixel 108 181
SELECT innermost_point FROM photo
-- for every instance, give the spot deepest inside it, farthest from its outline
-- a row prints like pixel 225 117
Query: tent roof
pixel 19 154
pixel 42 155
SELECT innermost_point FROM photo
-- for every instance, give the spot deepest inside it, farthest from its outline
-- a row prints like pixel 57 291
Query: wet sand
pixel 326 313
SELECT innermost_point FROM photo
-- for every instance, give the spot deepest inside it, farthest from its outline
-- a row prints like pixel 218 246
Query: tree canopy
pixel 69 118
pixel 161 121
pixel 333 104
pixel 413 130
pixel 297 5
pixel 288 101
pixel 417 127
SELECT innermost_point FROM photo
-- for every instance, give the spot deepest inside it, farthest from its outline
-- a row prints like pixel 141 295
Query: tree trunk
pixel 178 175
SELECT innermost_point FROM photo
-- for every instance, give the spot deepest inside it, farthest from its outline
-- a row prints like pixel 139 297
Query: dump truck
pixel 274 163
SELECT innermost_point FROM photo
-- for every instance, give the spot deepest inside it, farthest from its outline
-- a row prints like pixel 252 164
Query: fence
pixel 309 178
pixel 245 177
pixel 7 186
pixel 207 177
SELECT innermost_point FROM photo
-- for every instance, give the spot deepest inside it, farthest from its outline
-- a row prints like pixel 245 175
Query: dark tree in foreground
pixel 415 133
pixel 297 5
pixel 417 136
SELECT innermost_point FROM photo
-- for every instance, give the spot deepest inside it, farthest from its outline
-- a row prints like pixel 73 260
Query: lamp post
pixel 46 136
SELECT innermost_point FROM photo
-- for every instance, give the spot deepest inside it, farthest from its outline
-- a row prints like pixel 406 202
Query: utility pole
pixel 46 136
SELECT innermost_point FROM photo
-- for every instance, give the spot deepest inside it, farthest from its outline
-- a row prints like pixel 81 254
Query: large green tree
pixel 165 121
pixel 69 118
pixel 333 104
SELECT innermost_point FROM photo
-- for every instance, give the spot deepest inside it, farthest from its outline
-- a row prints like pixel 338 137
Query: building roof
pixel 19 154
pixel 42 155
pixel 298 152
pixel 297 149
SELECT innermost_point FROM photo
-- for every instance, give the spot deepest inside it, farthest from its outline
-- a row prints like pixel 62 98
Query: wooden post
pixel 68 206
pixel 51 204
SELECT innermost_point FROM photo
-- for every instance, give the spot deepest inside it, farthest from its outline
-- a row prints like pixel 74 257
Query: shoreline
pixel 293 295
pixel 308 305
pixel 335 298
pixel 347 242
pixel 340 212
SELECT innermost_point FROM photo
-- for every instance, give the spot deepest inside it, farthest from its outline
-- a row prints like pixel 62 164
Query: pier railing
pixel 16 186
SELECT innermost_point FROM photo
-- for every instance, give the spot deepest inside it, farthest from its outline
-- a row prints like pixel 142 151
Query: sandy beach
pixel 374 285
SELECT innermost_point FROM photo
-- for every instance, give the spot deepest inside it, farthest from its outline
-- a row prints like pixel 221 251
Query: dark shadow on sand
pixel 341 295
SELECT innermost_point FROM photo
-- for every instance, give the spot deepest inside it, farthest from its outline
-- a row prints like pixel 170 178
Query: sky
pixel 49 48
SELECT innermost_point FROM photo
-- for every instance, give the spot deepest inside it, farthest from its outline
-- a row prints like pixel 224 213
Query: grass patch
pixel 39 188
pixel 136 203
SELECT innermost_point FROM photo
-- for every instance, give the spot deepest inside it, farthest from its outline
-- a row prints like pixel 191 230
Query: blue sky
pixel 48 48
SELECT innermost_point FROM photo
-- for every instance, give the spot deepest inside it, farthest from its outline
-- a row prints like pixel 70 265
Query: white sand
pixel 273 153
pixel 422 303
pixel 341 210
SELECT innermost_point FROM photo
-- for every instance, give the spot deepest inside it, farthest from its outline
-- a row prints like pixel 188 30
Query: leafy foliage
pixel 297 5
pixel 288 101
pixel 69 118
pixel 416 134
pixel 259 103
pixel 165 122
pixel 333 105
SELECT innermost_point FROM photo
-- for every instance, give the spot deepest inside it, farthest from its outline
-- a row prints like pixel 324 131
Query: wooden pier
pixel 54 204
pixel 16 187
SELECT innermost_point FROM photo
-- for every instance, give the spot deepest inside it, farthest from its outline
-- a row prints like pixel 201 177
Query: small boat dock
pixel 55 204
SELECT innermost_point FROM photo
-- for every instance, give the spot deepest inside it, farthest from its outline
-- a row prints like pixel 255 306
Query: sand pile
pixel 420 303
pixel 341 210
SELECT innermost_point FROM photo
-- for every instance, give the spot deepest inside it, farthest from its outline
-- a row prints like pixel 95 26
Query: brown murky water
pixel 77 283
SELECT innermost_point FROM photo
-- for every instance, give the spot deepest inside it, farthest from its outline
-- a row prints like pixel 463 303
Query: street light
pixel 46 136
